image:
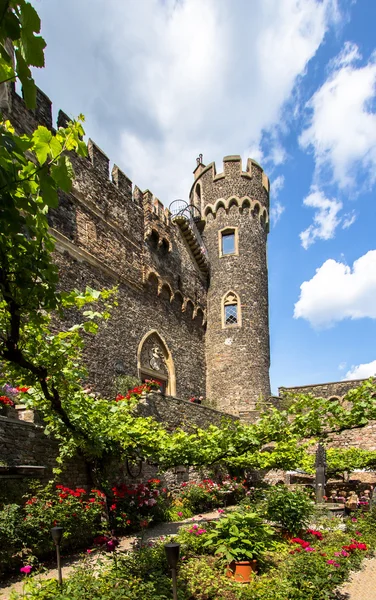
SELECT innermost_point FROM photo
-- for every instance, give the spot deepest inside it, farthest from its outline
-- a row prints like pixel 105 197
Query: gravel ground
pixel 362 584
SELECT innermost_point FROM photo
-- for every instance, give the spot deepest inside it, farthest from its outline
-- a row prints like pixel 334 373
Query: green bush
pixel 291 509
pixel 240 536
pixel 25 530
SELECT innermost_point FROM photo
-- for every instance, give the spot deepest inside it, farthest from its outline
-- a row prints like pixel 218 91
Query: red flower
pixel 6 401
pixel 113 507
pixel 23 389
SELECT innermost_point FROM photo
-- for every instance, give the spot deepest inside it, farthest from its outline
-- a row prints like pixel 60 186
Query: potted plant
pixel 291 509
pixel 240 538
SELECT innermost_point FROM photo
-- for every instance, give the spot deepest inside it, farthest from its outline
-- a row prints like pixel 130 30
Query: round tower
pixel 234 206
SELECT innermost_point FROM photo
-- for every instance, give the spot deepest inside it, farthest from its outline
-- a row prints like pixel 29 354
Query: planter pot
pixel 242 571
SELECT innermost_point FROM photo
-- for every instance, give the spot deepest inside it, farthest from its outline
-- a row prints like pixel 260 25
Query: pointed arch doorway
pixel 154 361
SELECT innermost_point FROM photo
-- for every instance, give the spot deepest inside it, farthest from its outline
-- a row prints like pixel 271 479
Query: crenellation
pixel 43 109
pixel 98 159
pixel 122 182
pixel 137 196
pixel 62 119
pixel 232 165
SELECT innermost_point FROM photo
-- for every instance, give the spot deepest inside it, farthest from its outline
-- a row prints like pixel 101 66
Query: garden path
pixel 126 543
pixel 362 584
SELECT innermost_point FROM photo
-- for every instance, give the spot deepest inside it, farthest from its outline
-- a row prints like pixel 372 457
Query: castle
pixel 192 279
pixel 192 297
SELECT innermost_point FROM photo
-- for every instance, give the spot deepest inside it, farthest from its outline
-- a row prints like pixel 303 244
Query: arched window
pixel 154 361
pixel 197 198
pixel 231 314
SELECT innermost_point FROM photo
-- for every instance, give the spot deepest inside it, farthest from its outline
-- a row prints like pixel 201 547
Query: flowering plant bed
pixel 310 567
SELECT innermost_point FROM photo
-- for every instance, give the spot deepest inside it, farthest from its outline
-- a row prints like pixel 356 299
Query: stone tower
pixel 235 217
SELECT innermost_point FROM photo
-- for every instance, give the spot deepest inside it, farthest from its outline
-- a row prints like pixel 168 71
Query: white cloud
pixel 277 185
pixel 338 292
pixel 276 212
pixel 325 220
pixel 362 371
pixel 349 219
pixel 161 82
pixel 342 125
pixel 277 208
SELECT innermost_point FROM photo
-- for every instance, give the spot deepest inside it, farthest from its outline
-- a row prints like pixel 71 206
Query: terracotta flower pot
pixel 242 571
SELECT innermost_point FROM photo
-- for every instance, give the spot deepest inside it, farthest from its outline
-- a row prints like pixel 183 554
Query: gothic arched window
pixel 154 361
pixel 231 314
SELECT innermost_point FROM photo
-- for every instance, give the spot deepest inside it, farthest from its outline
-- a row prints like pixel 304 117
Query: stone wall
pixel 110 233
pixel 24 443
pixel 333 389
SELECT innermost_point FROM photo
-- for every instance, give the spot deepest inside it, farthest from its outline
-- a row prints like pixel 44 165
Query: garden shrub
pixel 11 537
pixel 25 530
pixel 291 509
pixel 131 505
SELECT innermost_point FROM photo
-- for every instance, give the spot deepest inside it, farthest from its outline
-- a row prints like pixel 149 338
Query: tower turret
pixel 235 209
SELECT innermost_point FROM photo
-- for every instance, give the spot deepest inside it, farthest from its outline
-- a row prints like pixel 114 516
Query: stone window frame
pixel 239 310
pixel 226 231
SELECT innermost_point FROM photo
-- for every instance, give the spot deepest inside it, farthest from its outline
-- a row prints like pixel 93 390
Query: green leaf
pixel 30 18
pixel 11 26
pixel 29 89
pixel 33 49
pixel 42 138
pixel 48 191
pixel 63 173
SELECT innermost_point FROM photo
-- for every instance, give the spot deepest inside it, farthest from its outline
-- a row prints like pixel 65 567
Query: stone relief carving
pixel 153 355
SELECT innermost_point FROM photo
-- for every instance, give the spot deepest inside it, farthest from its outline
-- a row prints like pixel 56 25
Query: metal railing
pixel 192 214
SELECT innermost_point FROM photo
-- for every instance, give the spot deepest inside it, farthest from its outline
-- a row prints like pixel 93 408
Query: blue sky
pixel 291 83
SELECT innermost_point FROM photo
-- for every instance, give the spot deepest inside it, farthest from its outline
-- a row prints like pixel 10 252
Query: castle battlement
pixel 100 162
pixel 232 169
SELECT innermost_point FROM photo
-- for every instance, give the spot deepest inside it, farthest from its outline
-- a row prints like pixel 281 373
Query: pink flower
pixel 331 562
pixel 26 569
pixel 344 553
pixel 89 551
pixel 309 549
pixel 220 510
pixel 354 520
pixel 180 514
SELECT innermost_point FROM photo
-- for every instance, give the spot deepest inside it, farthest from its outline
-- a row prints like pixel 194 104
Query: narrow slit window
pixel 228 243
